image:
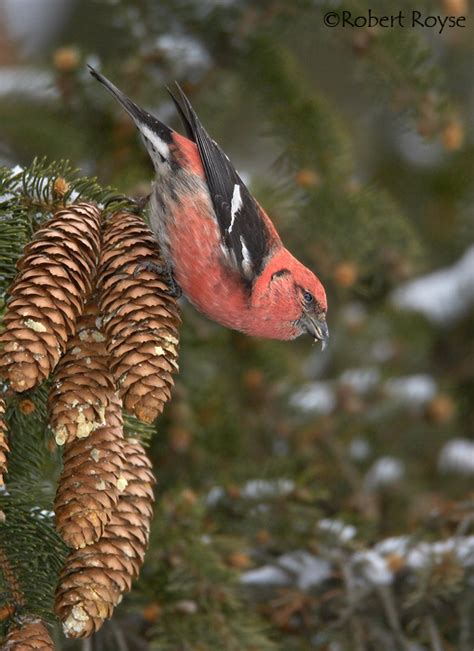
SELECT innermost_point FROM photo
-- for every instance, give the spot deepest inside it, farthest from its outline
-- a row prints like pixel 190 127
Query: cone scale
pixel 55 276
pixel 84 307
pixel 94 579
pixel 140 317
pixel 31 635
pixel 83 385
pixel 91 481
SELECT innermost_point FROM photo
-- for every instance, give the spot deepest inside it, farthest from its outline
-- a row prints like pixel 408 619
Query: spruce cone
pixel 4 449
pixel 84 385
pixel 93 579
pixel 33 635
pixel 55 276
pixel 91 481
pixel 140 317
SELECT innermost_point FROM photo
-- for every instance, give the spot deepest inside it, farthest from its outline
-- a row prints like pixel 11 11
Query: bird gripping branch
pixel 217 241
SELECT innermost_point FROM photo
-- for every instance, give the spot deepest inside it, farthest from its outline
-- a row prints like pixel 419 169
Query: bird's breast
pixel 182 218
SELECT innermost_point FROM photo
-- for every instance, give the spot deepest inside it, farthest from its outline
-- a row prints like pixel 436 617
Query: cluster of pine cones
pixel 86 308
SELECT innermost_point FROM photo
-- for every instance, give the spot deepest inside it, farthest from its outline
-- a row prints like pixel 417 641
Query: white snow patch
pixel 457 456
pixel 34 24
pixel 316 397
pixel 8 196
pixel 266 575
pixel 418 150
pixel 215 495
pixel 254 489
pixel 344 532
pixel 370 566
pixel 185 53
pixel 308 569
pixel 386 471
pixel 465 551
pixel 43 514
pixel 35 84
pixel 423 554
pixel 359 449
pixel 412 390
pixel 443 296
pixel 360 380
pixel 395 545
pixel 426 554
pixel 264 488
pixel 299 567
pixel 373 567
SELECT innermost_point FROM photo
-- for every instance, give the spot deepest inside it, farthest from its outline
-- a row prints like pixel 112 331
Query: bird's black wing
pixel 245 236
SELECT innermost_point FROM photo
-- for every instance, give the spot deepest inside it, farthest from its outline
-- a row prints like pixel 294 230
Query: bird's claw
pixel 160 270
pixel 174 289
pixel 135 204
pixel 157 269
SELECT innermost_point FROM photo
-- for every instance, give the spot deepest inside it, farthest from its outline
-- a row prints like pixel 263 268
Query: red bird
pixel 218 243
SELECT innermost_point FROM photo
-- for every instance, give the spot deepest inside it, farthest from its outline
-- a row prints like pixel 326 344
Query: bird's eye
pixel 308 298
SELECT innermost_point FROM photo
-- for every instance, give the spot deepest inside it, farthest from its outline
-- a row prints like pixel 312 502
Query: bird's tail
pixel 157 135
pixel 132 109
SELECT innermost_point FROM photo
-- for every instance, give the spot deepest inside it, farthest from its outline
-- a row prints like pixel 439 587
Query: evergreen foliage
pixel 304 501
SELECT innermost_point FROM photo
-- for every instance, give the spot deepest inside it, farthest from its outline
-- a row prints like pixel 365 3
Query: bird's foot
pixel 140 203
pixel 162 270
pixel 135 204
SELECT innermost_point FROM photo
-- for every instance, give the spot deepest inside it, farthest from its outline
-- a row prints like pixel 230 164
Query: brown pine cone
pixel 55 277
pixel 83 383
pixel 91 481
pixel 32 635
pixel 140 318
pixel 93 579
pixel 4 449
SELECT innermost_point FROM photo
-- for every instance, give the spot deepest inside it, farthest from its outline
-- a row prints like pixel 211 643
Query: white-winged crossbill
pixel 219 244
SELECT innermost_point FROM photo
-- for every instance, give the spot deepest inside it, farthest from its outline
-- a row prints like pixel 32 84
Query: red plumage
pixel 220 245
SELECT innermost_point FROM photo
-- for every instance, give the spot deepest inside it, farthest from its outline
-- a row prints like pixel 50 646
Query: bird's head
pixel 294 298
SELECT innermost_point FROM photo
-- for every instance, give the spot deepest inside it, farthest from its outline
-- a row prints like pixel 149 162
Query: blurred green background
pixel 305 500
